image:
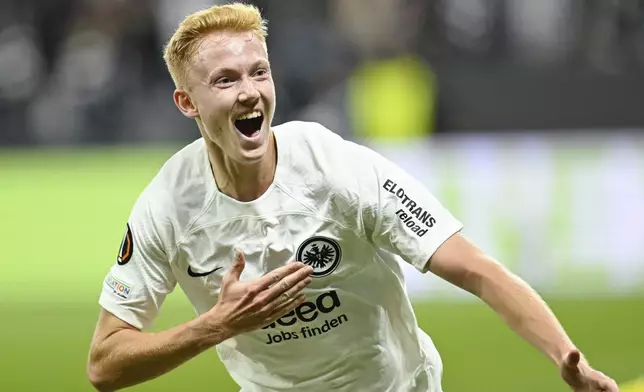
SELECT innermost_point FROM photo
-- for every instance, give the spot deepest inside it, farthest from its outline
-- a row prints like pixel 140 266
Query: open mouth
pixel 250 124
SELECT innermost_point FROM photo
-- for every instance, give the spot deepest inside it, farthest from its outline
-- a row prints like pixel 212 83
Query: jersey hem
pixel 423 261
pixel 119 312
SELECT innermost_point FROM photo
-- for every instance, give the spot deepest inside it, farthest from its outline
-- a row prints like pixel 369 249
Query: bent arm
pixel 123 356
pixel 461 263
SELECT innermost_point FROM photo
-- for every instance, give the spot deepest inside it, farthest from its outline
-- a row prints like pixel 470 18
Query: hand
pixel 582 378
pixel 247 306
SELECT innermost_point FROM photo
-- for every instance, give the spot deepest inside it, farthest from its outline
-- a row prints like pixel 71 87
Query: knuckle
pixel 261 299
pixel 299 287
pixel 252 290
pixel 248 297
pixel 303 284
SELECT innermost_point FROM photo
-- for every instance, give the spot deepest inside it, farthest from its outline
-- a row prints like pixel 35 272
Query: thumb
pixel 572 359
pixel 238 266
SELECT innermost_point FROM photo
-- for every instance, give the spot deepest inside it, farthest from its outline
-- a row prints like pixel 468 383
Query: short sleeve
pixel 141 278
pixel 399 214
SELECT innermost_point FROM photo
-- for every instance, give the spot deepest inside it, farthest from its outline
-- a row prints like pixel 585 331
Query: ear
pixel 184 103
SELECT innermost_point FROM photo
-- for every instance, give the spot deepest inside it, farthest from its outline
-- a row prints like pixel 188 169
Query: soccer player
pixel 287 241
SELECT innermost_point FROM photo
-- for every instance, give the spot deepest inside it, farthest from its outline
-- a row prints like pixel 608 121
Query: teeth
pixel 248 116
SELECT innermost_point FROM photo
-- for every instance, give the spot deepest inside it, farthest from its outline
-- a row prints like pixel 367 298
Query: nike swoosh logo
pixel 201 274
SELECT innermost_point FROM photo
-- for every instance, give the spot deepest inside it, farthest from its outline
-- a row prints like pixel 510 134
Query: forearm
pixel 129 357
pixel 523 310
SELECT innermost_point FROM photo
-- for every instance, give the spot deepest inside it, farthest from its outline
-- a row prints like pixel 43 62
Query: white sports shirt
pixel 335 205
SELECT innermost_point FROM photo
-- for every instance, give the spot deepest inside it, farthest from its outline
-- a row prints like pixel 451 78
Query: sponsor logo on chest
pixel 307 313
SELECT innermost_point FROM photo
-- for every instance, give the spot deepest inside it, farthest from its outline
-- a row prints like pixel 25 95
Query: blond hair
pixel 183 44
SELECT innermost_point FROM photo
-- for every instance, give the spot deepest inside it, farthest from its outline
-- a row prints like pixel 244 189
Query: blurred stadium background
pixel 524 117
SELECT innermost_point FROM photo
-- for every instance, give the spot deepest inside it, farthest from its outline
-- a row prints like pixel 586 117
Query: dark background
pixel 90 71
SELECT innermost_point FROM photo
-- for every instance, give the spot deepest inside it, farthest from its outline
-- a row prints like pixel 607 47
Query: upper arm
pixel 141 278
pixel 107 325
pixel 460 262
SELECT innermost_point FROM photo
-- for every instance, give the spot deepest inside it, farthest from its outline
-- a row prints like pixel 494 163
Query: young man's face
pixel 231 91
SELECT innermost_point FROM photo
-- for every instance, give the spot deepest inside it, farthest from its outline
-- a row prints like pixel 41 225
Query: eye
pixel 223 80
pixel 261 72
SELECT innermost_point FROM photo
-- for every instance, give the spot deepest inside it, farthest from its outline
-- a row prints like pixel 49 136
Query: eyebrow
pixel 219 70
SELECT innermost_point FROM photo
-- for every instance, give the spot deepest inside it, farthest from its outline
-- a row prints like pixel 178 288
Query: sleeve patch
pixel 118 287
pixel 127 247
pixel 412 215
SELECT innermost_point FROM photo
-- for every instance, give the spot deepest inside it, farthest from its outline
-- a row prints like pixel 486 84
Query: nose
pixel 248 94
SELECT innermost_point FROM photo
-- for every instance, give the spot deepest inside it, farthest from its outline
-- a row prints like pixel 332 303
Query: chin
pixel 245 146
pixel 255 149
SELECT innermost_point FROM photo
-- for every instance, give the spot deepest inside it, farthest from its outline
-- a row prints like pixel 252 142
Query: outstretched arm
pixel 398 214
pixel 461 263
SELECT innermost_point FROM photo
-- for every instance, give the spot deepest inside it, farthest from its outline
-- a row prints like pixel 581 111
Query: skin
pixel 230 76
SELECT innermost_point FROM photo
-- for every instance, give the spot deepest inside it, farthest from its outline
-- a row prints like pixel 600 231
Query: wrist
pixel 210 331
pixel 562 353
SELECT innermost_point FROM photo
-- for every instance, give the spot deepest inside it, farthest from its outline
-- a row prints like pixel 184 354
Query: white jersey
pixel 335 205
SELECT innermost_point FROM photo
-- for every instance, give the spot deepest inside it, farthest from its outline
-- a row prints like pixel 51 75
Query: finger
pixel 234 273
pixel 285 308
pixel 288 295
pixel 609 385
pixel 290 285
pixel 278 274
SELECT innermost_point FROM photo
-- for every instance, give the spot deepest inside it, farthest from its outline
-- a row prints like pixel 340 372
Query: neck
pixel 243 182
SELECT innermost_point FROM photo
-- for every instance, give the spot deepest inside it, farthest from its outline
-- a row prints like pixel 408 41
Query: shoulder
pixel 313 144
pixel 175 196
pixel 326 163
pixel 306 132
